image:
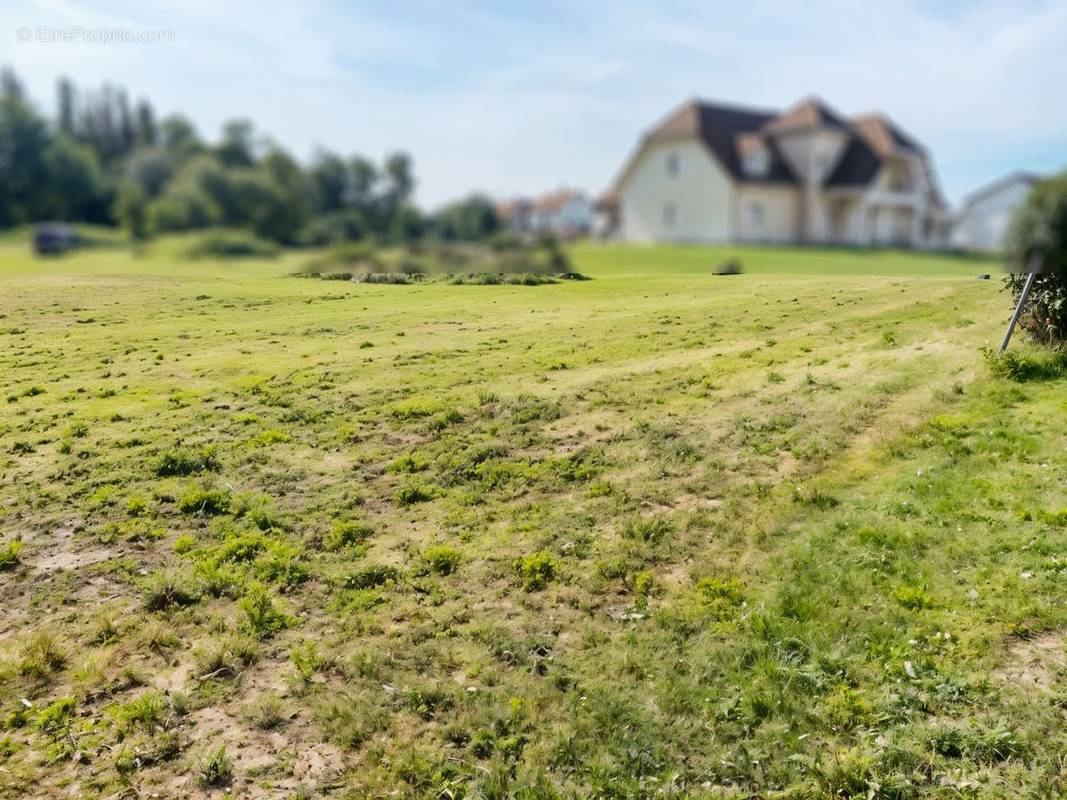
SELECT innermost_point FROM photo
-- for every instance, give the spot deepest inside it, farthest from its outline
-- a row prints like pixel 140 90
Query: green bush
pixel 205 501
pixel 346 533
pixel 442 559
pixel 1040 227
pixel 263 615
pixel 185 461
pixel 536 570
pixel 216 769
pixel 9 554
pixel 224 243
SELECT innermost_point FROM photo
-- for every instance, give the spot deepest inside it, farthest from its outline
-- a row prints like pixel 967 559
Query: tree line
pixel 104 159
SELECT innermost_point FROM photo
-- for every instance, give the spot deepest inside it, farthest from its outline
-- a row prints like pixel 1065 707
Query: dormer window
pixel 674 164
pixel 756 162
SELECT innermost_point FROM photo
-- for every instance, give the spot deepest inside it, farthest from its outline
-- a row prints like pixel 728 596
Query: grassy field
pixel 654 534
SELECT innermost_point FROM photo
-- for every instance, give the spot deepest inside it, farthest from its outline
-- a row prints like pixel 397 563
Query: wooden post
pixel 1033 266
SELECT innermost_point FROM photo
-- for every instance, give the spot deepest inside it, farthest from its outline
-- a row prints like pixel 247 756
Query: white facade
pixel 987 214
pixel 676 192
pixel 806 176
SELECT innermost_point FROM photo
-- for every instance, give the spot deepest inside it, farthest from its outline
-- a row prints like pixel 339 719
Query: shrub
pixel 305 657
pixel 372 577
pixel 230 244
pixel 42 656
pixel 1040 227
pixel 216 769
pixel 226 656
pixel 914 598
pixel 647 529
pixel 722 595
pixel 170 587
pixel 264 617
pixel 442 559
pixel 411 494
pixel 266 712
pixel 202 500
pixel 54 720
pixel 185 461
pixel 536 570
pixel 346 533
pixel 9 554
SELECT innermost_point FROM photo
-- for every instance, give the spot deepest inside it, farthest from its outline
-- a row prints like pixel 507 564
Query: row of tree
pixel 105 160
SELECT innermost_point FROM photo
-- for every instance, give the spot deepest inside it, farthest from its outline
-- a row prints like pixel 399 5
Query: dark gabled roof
pixel 810 112
pixel 857 166
pixel 719 127
pixel 1019 176
pixel 883 137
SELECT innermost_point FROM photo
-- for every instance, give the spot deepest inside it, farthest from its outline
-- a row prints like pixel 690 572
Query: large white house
pixel 986 214
pixel 710 172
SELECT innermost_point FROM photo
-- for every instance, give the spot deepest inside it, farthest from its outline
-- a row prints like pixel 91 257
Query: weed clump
pixel 1022 368
pixel 346 533
pixel 204 501
pixel 442 559
pixel 181 461
pixel 226 657
pixel 412 493
pixel 168 588
pixel 263 616
pixel 722 597
pixel 372 577
pixel 9 555
pixel 216 769
pixel 913 598
pixel 42 656
pixel 536 570
pixel 647 529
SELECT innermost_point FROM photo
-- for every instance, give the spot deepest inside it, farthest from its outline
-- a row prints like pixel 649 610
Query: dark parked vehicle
pixel 51 238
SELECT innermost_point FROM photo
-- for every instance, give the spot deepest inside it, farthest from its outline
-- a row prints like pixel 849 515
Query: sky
pixel 523 98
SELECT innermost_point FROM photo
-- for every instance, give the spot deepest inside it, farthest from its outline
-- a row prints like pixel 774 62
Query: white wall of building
pixel 676 191
pixel 984 224
pixel 767 214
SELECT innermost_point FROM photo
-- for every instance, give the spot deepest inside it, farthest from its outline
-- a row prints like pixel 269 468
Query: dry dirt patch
pixel 1035 662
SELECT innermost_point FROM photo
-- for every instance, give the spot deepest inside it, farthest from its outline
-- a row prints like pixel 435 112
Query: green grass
pixel 594 258
pixel 659 533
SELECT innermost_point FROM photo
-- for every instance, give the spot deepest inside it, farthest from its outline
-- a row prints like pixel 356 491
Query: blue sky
pixel 523 98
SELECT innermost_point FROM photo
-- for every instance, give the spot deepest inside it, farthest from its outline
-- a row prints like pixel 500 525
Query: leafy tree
pixel 23 142
pixel 1040 228
pixel 146 132
pixel 178 136
pixel 150 169
pixel 471 219
pixel 329 182
pixel 74 188
pixel 131 210
pixel 236 148
pixel 65 119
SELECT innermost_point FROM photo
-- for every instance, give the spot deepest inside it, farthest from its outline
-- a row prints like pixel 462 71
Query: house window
pixel 755 214
pixel 674 164
pixel 756 162
pixel 670 215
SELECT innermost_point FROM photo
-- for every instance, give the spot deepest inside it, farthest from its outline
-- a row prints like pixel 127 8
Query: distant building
pixel 565 213
pixel 515 214
pixel 983 222
pixel 606 216
pixel 716 173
